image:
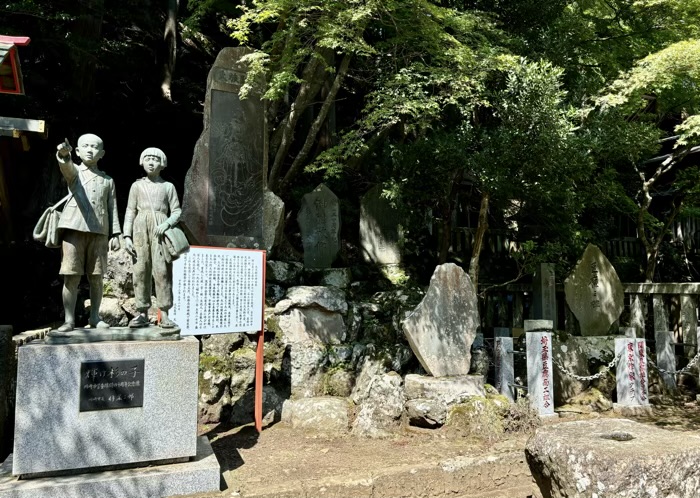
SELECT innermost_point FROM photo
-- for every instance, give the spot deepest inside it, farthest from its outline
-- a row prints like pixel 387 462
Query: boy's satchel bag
pixel 174 243
pixel 46 229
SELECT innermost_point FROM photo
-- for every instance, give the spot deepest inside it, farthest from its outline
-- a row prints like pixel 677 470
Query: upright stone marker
pixel 594 293
pixel 223 201
pixel 505 376
pixel 319 220
pixel 380 230
pixel 538 337
pixel 689 323
pixel 544 299
pixel 631 373
pixel 663 338
pixel 443 326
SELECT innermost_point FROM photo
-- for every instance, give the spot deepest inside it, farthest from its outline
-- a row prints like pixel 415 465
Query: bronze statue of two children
pixel 90 227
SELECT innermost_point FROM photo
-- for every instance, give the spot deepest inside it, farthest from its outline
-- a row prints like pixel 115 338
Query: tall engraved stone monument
pixel 223 201
pixel 319 220
pixel 594 292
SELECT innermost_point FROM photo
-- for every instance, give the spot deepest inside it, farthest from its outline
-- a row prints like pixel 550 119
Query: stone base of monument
pixel 632 410
pixel 83 335
pixel 83 407
pixel 200 474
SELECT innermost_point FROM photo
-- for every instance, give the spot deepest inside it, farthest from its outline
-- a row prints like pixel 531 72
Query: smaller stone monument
pixel 538 336
pixel 544 300
pixel 380 230
pixel 594 293
pixel 631 373
pixel 503 358
pixel 442 328
pixel 319 220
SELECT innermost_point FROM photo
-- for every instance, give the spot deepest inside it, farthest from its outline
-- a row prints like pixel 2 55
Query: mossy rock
pixel 479 415
pixel 215 364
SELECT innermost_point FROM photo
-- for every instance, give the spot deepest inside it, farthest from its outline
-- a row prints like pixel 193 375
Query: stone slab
pixel 540 382
pixel 84 335
pixel 544 299
pixel 319 221
pixel 614 458
pixel 441 329
pixel 449 390
pixel 665 357
pixel 51 434
pixel 594 292
pixel 631 374
pixel 223 197
pixel 380 229
pixel 505 373
pixel 200 475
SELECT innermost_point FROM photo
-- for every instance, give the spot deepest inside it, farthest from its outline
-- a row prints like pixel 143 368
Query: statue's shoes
pixel 99 325
pixel 167 323
pixel 138 322
pixel 66 327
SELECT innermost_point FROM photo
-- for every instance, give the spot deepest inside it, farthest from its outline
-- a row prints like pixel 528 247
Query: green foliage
pixel 670 76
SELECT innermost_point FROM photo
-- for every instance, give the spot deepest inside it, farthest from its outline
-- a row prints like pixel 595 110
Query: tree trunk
pixel 652 258
pixel 313 77
pixel 651 250
pixel 170 48
pixel 479 238
pixel 316 126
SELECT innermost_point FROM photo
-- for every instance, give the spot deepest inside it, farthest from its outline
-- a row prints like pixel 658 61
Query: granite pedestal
pixel 58 429
pixel 199 475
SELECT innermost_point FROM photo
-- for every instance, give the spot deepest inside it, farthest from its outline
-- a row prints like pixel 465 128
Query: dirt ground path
pixel 284 462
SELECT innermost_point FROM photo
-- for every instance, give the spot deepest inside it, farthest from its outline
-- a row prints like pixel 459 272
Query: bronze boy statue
pixel 153 208
pixel 88 220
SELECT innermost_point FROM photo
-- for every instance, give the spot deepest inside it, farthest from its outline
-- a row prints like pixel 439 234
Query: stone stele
pixel 594 292
pixel 614 457
pixel 442 327
pixel 319 221
pixel 223 204
pixel 380 230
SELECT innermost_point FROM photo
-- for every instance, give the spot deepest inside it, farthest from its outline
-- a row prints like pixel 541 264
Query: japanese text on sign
pixel 109 385
pixel 218 290
pixel 546 395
